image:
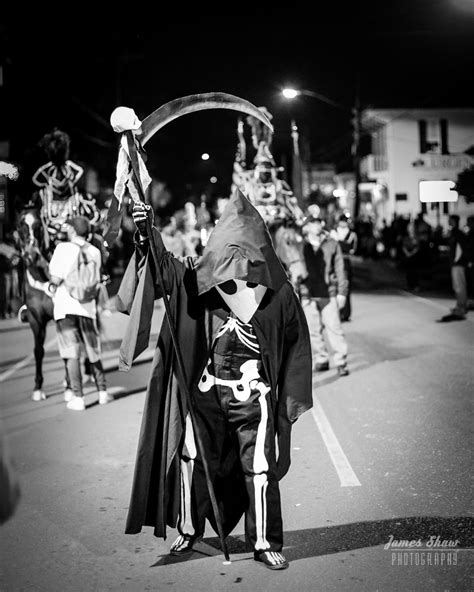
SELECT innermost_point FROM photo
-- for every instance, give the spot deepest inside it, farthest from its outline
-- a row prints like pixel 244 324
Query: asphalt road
pixel 385 455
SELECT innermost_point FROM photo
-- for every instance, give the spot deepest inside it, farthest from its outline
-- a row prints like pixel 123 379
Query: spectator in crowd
pixel 470 262
pixel 367 243
pixel 9 296
pixel 347 239
pixel 324 294
pixel 411 258
pixel 398 231
pixel 424 236
pixel 458 259
pixel 176 241
pixel 386 235
pixel 76 321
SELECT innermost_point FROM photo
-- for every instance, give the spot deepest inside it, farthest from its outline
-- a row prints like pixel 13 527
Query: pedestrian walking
pixel 347 239
pixel 246 351
pixel 75 270
pixel 323 295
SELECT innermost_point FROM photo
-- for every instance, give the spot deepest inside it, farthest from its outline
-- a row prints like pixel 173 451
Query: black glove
pixel 140 213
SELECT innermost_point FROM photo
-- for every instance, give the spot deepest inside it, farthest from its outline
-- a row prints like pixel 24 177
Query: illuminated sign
pixel 436 191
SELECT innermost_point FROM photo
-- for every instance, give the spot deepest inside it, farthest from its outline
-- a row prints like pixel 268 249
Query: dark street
pixel 384 456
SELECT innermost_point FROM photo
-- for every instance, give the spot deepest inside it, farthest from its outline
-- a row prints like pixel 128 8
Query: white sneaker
pixel 76 404
pixel 38 395
pixel 68 394
pixel 105 398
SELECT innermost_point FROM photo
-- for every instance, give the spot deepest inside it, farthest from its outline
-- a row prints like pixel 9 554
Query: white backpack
pixel 81 282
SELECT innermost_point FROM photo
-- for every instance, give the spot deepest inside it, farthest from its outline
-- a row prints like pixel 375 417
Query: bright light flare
pixel 205 156
pixel 290 93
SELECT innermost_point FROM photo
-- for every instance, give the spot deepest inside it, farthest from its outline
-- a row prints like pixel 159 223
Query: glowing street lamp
pixel 291 93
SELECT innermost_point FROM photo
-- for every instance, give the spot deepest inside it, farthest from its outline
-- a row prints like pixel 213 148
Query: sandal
pixel 271 559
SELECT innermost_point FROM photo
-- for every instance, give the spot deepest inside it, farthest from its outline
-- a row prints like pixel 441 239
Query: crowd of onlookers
pixel 416 247
pixel 427 255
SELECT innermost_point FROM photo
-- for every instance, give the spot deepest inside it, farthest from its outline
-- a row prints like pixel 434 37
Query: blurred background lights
pixel 213 179
pixel 205 156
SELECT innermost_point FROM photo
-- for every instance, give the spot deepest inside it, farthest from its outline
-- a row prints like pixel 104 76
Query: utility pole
pixel 356 122
pixel 296 165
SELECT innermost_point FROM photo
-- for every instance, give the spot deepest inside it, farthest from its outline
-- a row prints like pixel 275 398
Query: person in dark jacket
pixel 458 259
pixel 324 295
pixel 470 262
pixel 247 356
pixel 347 239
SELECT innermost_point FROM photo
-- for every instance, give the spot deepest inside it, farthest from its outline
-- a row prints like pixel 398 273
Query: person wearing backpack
pixel 75 270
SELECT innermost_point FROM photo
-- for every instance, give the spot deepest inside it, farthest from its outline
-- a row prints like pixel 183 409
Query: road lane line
pixel 346 475
pixel 24 362
pixel 433 304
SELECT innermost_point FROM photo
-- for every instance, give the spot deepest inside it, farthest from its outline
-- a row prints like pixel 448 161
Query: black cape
pixel 239 247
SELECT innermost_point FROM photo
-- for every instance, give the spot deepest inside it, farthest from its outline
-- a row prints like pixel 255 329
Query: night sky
pixel 410 53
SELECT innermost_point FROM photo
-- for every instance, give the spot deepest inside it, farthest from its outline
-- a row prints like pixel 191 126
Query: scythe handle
pixel 181 375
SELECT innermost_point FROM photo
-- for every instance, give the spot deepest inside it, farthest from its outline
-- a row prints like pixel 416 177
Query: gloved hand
pixel 140 213
pixel 341 301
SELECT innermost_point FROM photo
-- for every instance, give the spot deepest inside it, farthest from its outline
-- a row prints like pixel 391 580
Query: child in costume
pixel 246 351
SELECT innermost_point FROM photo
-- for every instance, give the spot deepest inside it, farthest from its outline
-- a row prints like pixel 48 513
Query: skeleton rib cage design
pixel 60 198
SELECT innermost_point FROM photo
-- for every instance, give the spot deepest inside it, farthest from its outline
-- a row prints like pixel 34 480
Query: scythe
pixel 193 103
pixel 151 124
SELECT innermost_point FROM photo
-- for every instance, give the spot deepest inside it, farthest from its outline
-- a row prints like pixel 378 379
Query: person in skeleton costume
pixel 57 180
pixel 246 350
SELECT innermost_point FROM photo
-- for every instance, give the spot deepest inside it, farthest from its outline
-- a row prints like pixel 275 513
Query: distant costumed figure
pixel 59 196
pixel 271 196
pixel 41 223
pixel 260 182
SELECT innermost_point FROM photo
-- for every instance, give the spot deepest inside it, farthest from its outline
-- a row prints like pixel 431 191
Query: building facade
pixel 410 146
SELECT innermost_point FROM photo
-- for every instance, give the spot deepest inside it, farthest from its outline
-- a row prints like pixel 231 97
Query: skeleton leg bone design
pixel 242 388
pixel 185 524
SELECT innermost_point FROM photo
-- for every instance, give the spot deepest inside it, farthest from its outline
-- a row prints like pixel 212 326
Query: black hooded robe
pixel 240 247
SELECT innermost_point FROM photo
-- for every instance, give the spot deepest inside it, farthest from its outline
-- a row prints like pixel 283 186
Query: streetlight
pixel 292 93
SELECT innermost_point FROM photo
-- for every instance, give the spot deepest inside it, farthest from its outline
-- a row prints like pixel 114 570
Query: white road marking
pixel 346 475
pixel 24 362
pixel 433 304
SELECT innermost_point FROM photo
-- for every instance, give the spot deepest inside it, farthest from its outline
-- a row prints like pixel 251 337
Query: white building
pixel 410 146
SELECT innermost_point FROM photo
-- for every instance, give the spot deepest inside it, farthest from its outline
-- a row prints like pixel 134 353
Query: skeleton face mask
pixel 243 298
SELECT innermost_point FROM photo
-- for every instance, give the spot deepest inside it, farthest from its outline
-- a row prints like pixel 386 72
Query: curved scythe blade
pixel 199 102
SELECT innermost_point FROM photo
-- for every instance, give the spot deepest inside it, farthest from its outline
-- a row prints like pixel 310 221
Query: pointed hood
pixel 240 247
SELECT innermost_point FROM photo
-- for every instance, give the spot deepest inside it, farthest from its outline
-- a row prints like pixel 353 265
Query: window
pixel 379 142
pixel 443 124
pixel 433 136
